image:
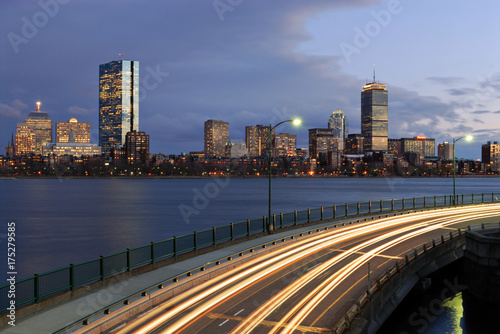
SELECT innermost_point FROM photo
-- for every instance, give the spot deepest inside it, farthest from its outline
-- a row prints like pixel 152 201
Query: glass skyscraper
pixel 42 125
pixel 118 102
pixel 338 123
pixel 216 138
pixel 374 117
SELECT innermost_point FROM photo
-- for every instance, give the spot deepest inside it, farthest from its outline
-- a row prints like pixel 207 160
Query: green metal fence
pixel 32 289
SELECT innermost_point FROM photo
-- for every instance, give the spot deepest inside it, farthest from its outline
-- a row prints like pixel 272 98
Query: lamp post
pixel 468 138
pixel 270 226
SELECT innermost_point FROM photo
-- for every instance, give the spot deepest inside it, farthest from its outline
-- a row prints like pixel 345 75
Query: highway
pixel 304 286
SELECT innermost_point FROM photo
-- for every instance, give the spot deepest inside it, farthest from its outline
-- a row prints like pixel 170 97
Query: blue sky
pixel 255 62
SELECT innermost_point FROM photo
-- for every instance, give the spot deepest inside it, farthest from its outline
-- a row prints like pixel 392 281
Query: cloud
pixel 462 91
pixel 445 80
pixel 10 111
pixel 481 112
pixel 477 120
pixel 75 110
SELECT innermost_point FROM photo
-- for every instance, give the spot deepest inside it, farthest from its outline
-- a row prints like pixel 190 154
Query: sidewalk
pixel 56 317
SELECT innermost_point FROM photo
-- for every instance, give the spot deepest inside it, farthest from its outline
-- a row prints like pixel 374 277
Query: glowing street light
pixel 296 122
pixel 468 138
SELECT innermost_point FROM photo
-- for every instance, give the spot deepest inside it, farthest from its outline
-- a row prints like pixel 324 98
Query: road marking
pixel 374 255
pixel 239 312
pixel 314 266
pixel 222 323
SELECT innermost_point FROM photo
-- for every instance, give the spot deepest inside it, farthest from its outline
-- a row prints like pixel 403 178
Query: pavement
pixel 55 317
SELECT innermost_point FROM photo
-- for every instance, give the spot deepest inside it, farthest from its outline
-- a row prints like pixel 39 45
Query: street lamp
pixel 296 121
pixel 468 138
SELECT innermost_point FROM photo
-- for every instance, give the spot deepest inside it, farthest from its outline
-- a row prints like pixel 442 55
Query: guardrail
pixel 355 310
pixel 38 286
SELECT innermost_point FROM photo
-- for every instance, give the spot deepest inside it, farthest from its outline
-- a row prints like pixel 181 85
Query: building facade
pixel 236 149
pixel 354 144
pixel 394 147
pixel 285 144
pixel 374 117
pixel 73 131
pixel 426 146
pixel 257 139
pixel 338 123
pixel 216 138
pixel 73 149
pixel 25 142
pixel 42 125
pixel 118 102
pixel 490 152
pixel 321 141
pixel 445 151
pixel 137 147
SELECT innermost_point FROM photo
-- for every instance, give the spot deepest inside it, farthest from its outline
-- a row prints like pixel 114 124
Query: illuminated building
pixel 354 144
pixel 42 125
pixel 137 147
pixel 338 123
pixel 445 151
pixel 285 144
pixel 490 152
pixel 72 131
pixel 321 141
pixel 236 149
pixel 257 139
pixel 216 138
pixel 394 147
pixel 118 102
pixel 374 116
pixel 73 149
pixel 425 146
pixel 10 149
pixel 25 139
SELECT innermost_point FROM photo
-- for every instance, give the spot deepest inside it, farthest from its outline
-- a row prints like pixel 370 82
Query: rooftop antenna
pixel 38 105
pixel 373 73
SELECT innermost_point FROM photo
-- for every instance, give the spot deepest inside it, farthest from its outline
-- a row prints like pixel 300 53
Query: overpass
pixel 342 249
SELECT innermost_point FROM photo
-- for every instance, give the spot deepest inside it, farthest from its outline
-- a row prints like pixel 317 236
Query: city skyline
pixel 295 62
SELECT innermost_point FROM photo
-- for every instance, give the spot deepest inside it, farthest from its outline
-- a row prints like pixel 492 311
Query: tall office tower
pixel 321 141
pixel 72 131
pixel 338 123
pixel 285 144
pixel 118 102
pixel 374 116
pixel 137 147
pixel 25 139
pixel 426 146
pixel 257 139
pixel 354 144
pixel 216 138
pixel 490 152
pixel 42 125
pixel 445 150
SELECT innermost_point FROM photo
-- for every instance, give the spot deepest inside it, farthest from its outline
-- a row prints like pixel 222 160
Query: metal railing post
pixel 334 211
pixel 101 267
pixel 232 231
pixel 308 215
pixel 472 198
pixel 369 206
pixel 403 201
pixel 346 209
pixel 321 213
pixel 392 204
pixel 414 202
pixel 36 284
pixel 214 235
pixel 381 205
pixel 152 252
pixel 175 246
pixel 128 259
pixel 248 227
pixel 357 208
pixel 264 223
pixel 295 217
pixel 425 201
pixel 195 240
pixel 281 220
pixel 482 198
pixel 72 277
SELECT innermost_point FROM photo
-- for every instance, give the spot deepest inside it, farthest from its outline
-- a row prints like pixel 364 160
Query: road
pixel 305 286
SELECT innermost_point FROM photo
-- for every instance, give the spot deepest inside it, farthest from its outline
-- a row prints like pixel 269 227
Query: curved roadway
pixel 305 286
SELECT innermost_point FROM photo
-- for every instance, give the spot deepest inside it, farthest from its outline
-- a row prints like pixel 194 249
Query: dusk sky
pixel 252 62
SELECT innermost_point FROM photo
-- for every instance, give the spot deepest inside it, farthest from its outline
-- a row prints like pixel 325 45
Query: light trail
pixel 201 299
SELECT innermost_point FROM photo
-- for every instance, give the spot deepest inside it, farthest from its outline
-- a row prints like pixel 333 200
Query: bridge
pixel 317 275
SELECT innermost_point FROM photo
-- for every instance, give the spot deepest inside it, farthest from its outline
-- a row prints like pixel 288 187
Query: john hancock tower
pixel 118 102
pixel 374 116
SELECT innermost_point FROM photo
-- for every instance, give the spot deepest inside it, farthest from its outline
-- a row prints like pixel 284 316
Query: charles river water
pixel 71 220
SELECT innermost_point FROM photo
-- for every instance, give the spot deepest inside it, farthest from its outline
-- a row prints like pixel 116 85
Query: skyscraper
pixel 374 116
pixel 42 126
pixel 216 138
pixel 137 147
pixel 338 123
pixel 321 141
pixel 25 139
pixel 118 102
pixel 445 150
pixel 72 131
